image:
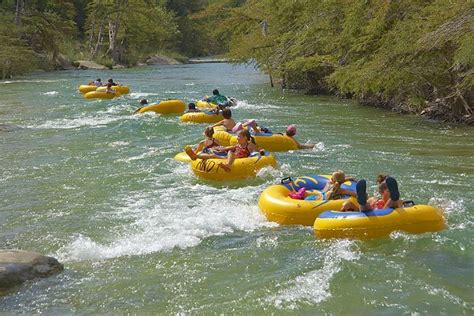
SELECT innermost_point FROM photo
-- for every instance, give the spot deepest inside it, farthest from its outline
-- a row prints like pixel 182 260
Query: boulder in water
pixel 18 266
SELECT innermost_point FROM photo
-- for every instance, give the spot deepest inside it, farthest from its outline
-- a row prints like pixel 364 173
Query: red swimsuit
pixel 241 152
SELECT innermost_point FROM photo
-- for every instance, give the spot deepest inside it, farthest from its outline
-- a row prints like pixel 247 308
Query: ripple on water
pixel 314 287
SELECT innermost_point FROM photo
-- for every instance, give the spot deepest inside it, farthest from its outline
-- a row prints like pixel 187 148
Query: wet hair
pixel 143 102
pixel 381 178
pixel 209 131
pixel 191 106
pixel 215 92
pixel 226 113
pixel 339 176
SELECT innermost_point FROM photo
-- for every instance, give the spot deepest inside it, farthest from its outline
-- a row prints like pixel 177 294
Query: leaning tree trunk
pixel 98 44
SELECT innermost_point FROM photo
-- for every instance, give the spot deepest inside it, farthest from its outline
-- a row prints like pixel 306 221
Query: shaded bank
pixel 404 56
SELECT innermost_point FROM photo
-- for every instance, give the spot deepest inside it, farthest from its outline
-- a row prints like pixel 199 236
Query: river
pixel 97 187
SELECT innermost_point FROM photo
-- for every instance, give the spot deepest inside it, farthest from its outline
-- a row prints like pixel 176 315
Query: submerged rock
pixel 18 266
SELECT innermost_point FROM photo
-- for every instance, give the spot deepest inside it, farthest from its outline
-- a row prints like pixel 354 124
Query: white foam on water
pixel 137 95
pixel 314 287
pixel 444 293
pixel 31 81
pixel 51 93
pixel 91 121
pixel 244 104
pixel 454 213
pixel 150 153
pixel 178 216
pixel 119 144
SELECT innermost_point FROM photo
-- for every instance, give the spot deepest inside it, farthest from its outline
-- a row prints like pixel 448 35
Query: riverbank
pixel 438 110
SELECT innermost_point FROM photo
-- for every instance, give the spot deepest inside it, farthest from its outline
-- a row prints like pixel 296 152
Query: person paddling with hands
pixel 290 132
pixel 143 103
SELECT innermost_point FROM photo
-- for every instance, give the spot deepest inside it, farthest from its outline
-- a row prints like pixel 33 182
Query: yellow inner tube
pixel 101 95
pixel 379 223
pixel 271 142
pixel 277 206
pixel 201 117
pixel 222 136
pixel 165 107
pixel 86 88
pixel 241 168
pixel 183 157
pixel 204 105
pixel 119 89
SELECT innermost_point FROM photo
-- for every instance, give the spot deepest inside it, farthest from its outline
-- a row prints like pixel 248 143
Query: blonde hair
pixel 209 131
pixel 339 176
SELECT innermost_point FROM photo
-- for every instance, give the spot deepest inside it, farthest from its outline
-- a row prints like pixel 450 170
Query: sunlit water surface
pixel 97 187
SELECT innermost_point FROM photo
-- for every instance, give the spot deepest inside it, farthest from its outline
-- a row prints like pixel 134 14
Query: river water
pixel 97 187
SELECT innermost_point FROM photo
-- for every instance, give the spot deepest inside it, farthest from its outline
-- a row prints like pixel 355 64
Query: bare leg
pixel 190 152
pixel 230 160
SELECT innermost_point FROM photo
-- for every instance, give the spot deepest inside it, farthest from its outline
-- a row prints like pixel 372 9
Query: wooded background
pixel 410 55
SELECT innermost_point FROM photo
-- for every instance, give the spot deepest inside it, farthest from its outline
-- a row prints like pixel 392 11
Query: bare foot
pixel 224 166
pixel 190 152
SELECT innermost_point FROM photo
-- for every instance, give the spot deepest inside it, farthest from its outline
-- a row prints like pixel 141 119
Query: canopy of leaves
pixel 404 50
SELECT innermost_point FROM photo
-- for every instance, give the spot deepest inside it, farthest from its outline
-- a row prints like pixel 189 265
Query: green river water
pixel 98 188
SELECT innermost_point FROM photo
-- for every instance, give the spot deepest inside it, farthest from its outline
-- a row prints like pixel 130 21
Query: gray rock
pixel 62 63
pixel 87 64
pixel 161 60
pixel 18 266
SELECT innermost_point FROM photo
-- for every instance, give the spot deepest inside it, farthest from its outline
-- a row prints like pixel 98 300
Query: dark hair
pixel 215 92
pixel 246 133
pixel 191 106
pixel 98 79
pixel 226 113
pixel 381 178
pixel 143 102
pixel 111 80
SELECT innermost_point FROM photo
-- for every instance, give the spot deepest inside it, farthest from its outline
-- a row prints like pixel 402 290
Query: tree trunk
pixel 20 8
pixel 114 26
pixel 98 43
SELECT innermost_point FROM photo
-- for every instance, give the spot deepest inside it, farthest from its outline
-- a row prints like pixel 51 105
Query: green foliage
pixel 128 30
pixel 394 50
pixel 16 57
